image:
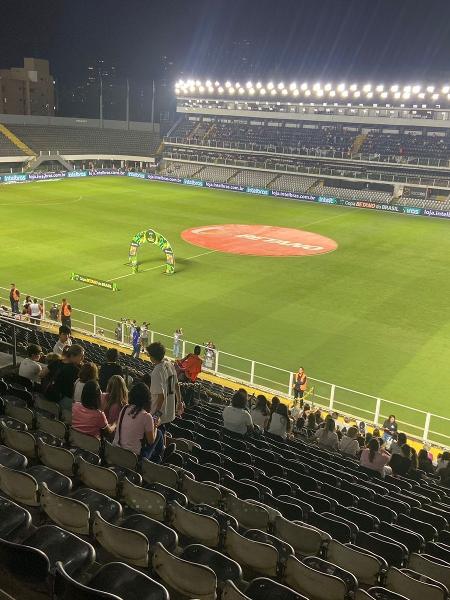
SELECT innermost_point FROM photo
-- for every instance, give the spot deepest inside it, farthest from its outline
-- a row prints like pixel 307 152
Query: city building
pixel 27 90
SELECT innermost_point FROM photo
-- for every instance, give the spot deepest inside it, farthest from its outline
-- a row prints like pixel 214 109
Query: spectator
pixel 53 363
pixel 274 404
pixel 349 443
pixel 35 311
pixel 311 424
pixel 118 332
pixel 443 461
pixel 136 342
pixel 87 417
pixel 62 388
pixel 375 459
pixel 115 399
pixel 260 413
pixel 177 343
pixel 164 387
pixel 144 336
pixel 30 368
pixel 318 416
pixel 390 429
pixel 109 368
pixel 396 446
pixel 64 340
pixel 401 463
pixel 376 433
pixel 424 462
pixel 66 314
pixel 300 384
pixel 445 476
pixel 88 372
pixel 327 437
pixel 53 312
pixel 14 297
pixel 280 424
pixel 136 429
pixel 236 417
pixel 190 366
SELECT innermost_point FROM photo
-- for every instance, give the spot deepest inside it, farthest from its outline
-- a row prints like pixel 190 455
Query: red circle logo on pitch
pixel 259 240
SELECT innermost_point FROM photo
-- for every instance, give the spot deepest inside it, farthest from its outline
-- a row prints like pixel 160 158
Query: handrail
pixel 252 376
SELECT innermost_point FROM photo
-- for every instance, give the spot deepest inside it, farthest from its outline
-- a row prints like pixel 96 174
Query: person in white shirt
pixel 30 367
pixel 64 340
pixel 280 423
pixel 88 372
pixel 164 386
pixel 35 311
pixel 235 417
pixel 260 413
pixel 349 443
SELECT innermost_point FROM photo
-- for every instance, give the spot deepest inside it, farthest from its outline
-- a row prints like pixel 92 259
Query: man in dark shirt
pixel 109 368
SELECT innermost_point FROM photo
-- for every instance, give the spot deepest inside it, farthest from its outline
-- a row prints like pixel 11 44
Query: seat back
pixel 60 459
pixel 121 457
pixel 426 565
pixel 313 584
pixel 365 567
pixel 68 513
pixel 263 588
pixel 98 478
pixel 148 502
pixel 153 473
pixel 185 578
pixel 126 544
pixel 47 406
pixel 67 588
pixel 14 519
pixel 200 493
pixel 52 426
pixel 402 583
pixel 201 528
pixel 231 592
pixel 83 441
pixel 255 557
pixel 28 565
pixel 20 413
pixel 21 441
pixel 19 486
pixel 306 541
pixel 248 515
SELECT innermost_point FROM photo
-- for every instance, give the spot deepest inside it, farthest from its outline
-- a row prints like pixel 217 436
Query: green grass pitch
pixel 372 316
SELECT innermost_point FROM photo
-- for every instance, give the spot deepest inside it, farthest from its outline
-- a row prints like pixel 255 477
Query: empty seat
pixel 195 526
pixel 312 583
pixel 366 567
pixel 401 582
pixel 248 514
pixel 83 441
pixel 12 459
pixel 129 546
pixel 149 502
pixel 337 530
pixel 201 493
pixel 254 557
pixel 121 457
pixel 186 578
pixel 113 580
pixel 305 540
pixel 394 553
pixel 151 472
pixel 431 567
pixel 14 519
pixel 23 486
pixel 260 589
pixel 225 568
pixel 99 478
pixel 413 541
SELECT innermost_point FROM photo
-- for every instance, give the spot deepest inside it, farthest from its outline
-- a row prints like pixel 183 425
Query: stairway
pixel 357 143
pixel 16 141
pixel 194 131
pixel 209 132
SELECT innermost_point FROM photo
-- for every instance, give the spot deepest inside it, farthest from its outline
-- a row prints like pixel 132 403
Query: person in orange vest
pixel 300 385
pixel 66 313
pixel 14 297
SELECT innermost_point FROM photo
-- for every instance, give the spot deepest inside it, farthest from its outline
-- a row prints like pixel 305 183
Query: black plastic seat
pixel 359 490
pixel 394 553
pixel 56 482
pixel 342 496
pixel 207 443
pixel 12 459
pixel 243 490
pixel 123 472
pixel 201 472
pixel 239 470
pixel 36 557
pixel 439 550
pixel 427 531
pixel 362 519
pixel 225 568
pixel 109 509
pixel 278 485
pixel 382 512
pixel 354 529
pixel 13 519
pixel 112 581
pixel 291 510
pixel 437 521
pixel 320 504
pixel 338 530
pixel 153 530
pixel 224 519
pixel 413 541
pixel 206 456
pixel 283 548
pixel 307 483
pixel 169 493
pixel 266 589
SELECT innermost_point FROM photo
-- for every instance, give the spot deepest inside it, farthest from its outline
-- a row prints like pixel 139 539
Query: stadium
pixel 254 404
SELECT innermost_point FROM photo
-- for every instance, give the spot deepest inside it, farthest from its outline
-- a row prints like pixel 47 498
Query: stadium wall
pixel 13 178
pixel 76 122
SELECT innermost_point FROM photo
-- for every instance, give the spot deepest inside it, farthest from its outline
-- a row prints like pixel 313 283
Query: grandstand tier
pixel 248 517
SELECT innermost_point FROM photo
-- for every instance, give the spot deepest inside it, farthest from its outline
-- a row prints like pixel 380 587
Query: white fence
pixel 422 425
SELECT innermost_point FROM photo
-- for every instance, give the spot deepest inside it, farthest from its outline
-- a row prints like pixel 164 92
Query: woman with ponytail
pixel 375 459
pixel 327 437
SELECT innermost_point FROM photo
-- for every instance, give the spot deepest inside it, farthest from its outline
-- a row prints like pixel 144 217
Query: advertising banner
pixel 107 285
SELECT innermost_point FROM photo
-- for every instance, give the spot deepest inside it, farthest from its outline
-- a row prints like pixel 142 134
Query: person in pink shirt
pixel 136 428
pixel 86 415
pixel 375 458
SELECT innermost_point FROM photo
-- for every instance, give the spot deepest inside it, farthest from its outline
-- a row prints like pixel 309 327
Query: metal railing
pixel 423 425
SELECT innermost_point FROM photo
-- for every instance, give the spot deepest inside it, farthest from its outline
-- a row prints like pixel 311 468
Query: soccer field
pixel 373 315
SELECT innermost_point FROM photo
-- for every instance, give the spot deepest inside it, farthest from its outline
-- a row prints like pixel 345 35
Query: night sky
pixel 370 40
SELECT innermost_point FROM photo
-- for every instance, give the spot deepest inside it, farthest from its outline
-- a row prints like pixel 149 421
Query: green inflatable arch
pixel 151 237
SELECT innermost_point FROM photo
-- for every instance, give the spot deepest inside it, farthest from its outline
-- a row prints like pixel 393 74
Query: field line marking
pixel 326 219
pixel 18 204
pixel 83 287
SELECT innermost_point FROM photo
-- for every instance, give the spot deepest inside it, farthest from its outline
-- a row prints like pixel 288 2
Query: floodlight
pixel 328 87
pixel 407 89
pixel 293 86
pixel 201 89
pixel 231 90
pixel 281 86
pixel 430 89
pixel 367 87
pixel 406 96
pixel 262 91
pixel 259 85
pixel 397 95
pixel 353 87
pixel 435 96
pixel 217 84
pixel 357 94
pixel 307 92
pixel 211 89
pixel 284 92
pixel 249 85
pixel 369 94
pixel 295 93
pixel 192 88
pixel 251 91
pixel 446 89
pixel 332 93
pixel 379 88
pixel 341 87
pixel 319 93
pixel 220 89
pixel 316 86
pixel 344 93
pixel 304 86
pixel 228 84
pixel 273 92
pixel 384 94
pixel 394 88
pixel 177 91
pixel 241 90
pixel 270 85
